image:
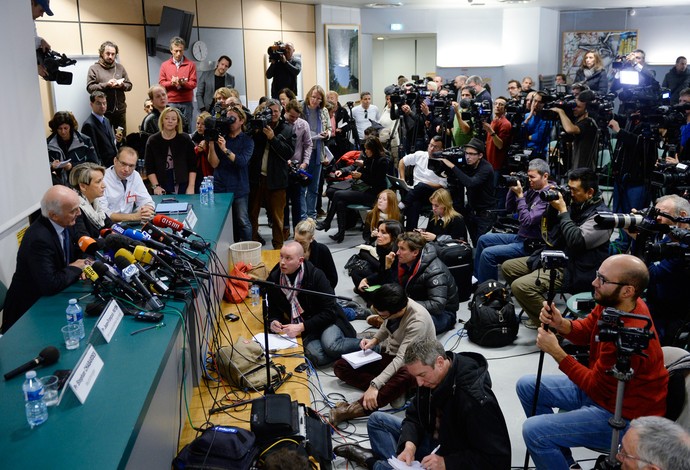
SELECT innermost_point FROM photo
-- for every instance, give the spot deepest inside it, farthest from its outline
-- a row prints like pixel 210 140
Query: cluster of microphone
pixel 133 263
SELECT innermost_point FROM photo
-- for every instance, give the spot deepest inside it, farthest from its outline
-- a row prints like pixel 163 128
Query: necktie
pixel 124 184
pixel 65 245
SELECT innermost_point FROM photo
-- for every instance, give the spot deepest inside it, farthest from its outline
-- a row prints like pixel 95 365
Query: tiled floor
pixel 506 364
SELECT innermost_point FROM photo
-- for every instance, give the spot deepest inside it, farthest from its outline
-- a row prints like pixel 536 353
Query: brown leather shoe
pixel 345 411
pixel 354 453
pixel 375 320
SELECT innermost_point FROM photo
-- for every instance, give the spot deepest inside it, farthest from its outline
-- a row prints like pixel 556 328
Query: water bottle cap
pixel 31 374
pixel 72 301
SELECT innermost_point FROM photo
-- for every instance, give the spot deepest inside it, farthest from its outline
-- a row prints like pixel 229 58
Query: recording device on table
pixel 52 61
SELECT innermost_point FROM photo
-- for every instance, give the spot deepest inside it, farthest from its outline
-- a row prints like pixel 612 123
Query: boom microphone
pixel 48 355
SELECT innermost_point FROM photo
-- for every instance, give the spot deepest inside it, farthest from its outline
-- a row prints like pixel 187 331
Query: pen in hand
pixel 433 452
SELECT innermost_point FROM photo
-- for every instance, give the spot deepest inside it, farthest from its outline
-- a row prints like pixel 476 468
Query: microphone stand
pixel 270 389
pixel 551 294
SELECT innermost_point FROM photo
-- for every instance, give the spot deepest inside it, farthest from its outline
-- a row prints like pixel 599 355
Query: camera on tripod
pixel 629 340
pixel 52 61
pixel 553 259
pixel 277 50
pixel 672 176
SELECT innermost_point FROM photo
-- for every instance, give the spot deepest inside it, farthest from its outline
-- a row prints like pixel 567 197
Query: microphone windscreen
pixel 87 245
pixel 49 355
pixel 143 254
pixel 91 274
pixel 126 254
pixel 165 221
pixel 121 262
pixel 100 268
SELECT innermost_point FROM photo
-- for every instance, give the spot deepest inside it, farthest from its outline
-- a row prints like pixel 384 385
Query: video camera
pixel 671 176
pixel 553 259
pixel 517 158
pixel 260 120
pixel 629 340
pixel 217 124
pixel 277 50
pixel 455 155
pixel 441 105
pixel 52 61
pixel 477 113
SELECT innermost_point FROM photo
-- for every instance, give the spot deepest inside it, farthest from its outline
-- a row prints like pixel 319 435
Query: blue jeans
pixel 329 346
pixel 242 228
pixel 548 435
pixel 311 192
pixel 444 321
pixel 384 432
pixel 495 248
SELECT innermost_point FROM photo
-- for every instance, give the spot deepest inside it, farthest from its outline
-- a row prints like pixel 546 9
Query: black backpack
pixel 220 447
pixel 492 320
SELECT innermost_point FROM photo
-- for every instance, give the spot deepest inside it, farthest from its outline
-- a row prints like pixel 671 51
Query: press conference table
pixel 136 407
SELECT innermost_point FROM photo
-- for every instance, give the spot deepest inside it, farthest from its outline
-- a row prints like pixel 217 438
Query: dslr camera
pixel 260 120
pixel 552 193
pixel 508 181
pixel 52 61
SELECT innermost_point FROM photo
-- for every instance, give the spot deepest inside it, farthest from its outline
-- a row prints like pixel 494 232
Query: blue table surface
pixel 101 432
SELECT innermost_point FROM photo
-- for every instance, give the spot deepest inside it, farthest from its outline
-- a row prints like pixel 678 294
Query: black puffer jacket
pixel 430 283
pixel 472 431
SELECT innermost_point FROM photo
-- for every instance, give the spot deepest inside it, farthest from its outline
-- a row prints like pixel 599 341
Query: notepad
pixel 400 465
pixel 359 358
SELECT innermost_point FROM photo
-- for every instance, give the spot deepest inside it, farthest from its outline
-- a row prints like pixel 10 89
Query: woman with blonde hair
pixel 170 158
pixel 386 208
pixel 318 254
pixel 445 219
pixel 87 180
pixel 316 114
pixel 592 73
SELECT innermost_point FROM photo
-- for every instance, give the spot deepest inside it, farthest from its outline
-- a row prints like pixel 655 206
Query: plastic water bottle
pixel 256 295
pixel 36 409
pixel 203 190
pixel 211 195
pixel 75 315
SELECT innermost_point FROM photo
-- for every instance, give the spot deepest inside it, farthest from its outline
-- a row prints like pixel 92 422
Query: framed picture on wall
pixel 342 57
pixel 609 45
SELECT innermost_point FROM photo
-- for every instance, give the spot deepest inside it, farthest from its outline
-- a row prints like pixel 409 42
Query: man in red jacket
pixel 588 393
pixel 178 76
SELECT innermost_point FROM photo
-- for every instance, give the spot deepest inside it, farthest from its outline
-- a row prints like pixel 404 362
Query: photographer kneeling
pixel 589 393
pixel 570 229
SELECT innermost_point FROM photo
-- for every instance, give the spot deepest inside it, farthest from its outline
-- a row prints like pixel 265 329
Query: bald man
pixel 48 257
pixel 588 392
pixel 326 333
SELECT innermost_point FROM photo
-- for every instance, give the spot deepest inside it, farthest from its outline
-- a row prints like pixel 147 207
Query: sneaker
pixel 575 466
pixel 531 324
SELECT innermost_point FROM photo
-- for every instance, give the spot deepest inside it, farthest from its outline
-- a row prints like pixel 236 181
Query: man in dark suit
pixel 210 81
pixel 47 261
pixel 98 128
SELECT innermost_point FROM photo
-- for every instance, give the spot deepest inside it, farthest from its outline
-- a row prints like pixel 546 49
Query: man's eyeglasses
pixel 126 165
pixel 603 280
pixel 622 456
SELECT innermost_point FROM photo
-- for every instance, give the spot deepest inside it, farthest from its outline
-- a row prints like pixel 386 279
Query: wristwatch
pixel 373 385
pixel 154 186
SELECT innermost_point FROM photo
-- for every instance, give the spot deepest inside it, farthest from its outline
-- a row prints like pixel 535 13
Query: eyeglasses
pixel 622 456
pixel 603 280
pixel 126 165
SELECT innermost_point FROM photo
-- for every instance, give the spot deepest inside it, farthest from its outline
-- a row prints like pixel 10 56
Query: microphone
pixel 131 274
pixel 105 232
pixel 103 271
pixel 163 221
pixel 117 228
pixel 164 237
pixel 115 241
pixel 156 283
pixel 146 255
pixel 92 247
pixel 48 355
pixel 145 238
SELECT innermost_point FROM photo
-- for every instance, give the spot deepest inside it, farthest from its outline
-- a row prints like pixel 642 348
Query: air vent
pixel 384 5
